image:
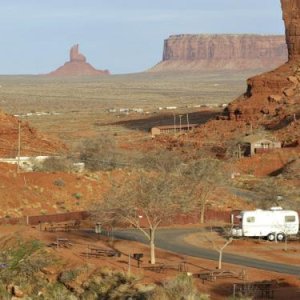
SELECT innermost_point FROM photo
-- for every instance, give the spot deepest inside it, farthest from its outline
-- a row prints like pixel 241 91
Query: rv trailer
pixel 274 224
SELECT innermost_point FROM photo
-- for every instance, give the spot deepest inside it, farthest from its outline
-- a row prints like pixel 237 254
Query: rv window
pixel 251 219
pixel 290 219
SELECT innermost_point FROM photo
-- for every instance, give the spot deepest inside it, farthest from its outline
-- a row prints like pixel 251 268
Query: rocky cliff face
pixel 291 17
pixel 222 52
pixel 273 99
pixel 77 66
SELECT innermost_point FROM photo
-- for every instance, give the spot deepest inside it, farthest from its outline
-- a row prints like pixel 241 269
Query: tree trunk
pixel 202 213
pixel 152 247
pixel 220 260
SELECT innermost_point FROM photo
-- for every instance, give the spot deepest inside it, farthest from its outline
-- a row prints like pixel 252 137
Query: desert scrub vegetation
pixel 54 164
pixel 181 287
pixel 22 263
pixel 24 271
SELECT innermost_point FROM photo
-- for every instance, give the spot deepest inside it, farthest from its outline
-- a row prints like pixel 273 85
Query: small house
pixel 252 144
pixel 158 130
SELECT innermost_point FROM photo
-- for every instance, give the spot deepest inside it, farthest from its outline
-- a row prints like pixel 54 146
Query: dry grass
pixel 82 102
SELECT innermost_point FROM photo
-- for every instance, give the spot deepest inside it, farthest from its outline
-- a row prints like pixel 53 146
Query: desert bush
pixel 181 287
pixel 54 164
pixel 77 196
pixel 106 284
pixel 67 276
pixel 98 154
pixel 23 262
pixel 59 182
pixel 162 161
pixel 58 291
pixel 103 154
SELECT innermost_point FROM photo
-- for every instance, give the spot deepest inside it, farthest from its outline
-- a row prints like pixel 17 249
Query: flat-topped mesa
pixel 291 17
pixel 75 55
pixel 77 66
pixel 194 52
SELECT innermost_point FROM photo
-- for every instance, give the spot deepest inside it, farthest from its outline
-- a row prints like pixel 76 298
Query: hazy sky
pixel 123 36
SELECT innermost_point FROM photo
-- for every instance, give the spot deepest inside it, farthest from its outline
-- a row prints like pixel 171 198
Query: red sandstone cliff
pixel 222 52
pixel 272 99
pixel 77 66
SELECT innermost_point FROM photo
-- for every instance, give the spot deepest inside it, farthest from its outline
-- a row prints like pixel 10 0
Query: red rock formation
pixel 75 55
pixel 273 98
pixel 77 66
pixel 222 52
pixel 33 143
pixel 291 17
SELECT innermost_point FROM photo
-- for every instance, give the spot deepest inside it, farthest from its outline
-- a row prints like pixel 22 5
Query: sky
pixel 124 36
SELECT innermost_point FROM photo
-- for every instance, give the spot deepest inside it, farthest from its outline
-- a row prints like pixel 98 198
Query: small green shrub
pixel 77 196
pixel 59 182
pixel 67 276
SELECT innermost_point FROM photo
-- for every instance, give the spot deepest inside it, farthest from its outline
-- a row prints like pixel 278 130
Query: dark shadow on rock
pixel 167 119
pixel 284 122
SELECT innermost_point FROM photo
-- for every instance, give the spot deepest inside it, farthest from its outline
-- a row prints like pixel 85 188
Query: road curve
pixel 173 240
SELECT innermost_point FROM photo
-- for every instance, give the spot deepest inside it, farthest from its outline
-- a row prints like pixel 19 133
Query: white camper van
pixel 275 223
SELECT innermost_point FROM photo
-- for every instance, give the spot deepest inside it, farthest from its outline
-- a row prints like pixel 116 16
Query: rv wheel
pixel 271 237
pixel 280 237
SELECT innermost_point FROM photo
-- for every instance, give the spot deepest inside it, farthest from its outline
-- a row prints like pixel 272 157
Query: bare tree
pixel 202 177
pixel 154 197
pixel 161 161
pixel 98 153
pixel 220 240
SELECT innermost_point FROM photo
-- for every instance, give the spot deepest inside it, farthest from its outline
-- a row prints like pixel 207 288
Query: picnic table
pixel 61 243
pixel 212 275
pixel 97 252
pixel 161 267
pixel 63 226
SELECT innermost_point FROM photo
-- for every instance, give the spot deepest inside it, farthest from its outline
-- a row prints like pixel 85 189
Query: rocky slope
pixel 273 98
pixel 32 142
pixel 77 66
pixel 222 52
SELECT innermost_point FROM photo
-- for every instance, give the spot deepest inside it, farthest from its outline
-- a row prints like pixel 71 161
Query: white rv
pixel 275 223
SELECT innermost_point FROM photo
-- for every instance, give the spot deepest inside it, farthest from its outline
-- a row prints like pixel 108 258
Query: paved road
pixel 173 240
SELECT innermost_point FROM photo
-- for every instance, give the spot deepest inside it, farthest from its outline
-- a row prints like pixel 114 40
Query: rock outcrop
pixel 272 99
pixel 291 17
pixel 77 66
pixel 222 52
pixel 32 143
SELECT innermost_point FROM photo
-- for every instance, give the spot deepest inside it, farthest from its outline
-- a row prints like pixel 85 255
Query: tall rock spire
pixel 291 17
pixel 77 66
pixel 75 55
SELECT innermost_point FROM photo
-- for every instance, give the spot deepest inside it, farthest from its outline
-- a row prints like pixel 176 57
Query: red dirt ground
pixel 220 289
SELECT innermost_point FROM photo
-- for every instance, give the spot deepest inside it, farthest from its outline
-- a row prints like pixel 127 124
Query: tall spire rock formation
pixel 77 66
pixel 291 17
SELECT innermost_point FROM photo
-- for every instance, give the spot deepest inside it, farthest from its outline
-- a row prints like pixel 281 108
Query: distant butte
pixel 198 52
pixel 77 66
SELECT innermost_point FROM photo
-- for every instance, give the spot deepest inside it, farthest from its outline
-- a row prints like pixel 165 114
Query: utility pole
pixel 188 121
pixel 180 116
pixel 174 122
pixel 19 146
